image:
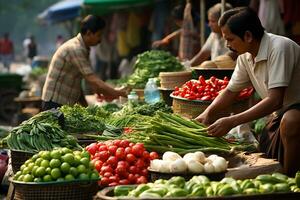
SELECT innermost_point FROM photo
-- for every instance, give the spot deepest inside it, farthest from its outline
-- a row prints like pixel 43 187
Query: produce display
pixel 206 90
pixel 196 162
pixel 120 162
pixel 41 132
pixel 149 64
pixel 60 164
pixel 201 186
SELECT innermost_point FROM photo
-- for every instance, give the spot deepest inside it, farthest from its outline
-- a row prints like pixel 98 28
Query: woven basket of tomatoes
pixel 193 97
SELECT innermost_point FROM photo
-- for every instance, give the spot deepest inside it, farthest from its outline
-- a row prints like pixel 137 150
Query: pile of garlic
pixel 196 162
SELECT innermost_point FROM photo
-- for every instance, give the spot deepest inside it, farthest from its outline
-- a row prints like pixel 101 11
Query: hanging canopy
pixel 106 6
pixel 60 12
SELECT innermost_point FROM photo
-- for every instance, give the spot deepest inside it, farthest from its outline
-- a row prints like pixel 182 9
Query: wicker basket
pixel 18 158
pixel 169 80
pixel 73 190
pixel 193 108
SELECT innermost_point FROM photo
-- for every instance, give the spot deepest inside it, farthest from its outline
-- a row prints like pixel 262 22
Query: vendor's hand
pixel 221 127
pixel 203 118
pixel 159 43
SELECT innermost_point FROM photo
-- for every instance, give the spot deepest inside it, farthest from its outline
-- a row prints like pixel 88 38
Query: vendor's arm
pixel 266 106
pixel 205 52
pixel 166 40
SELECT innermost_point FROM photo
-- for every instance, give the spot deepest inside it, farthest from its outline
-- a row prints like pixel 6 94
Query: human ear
pixel 248 37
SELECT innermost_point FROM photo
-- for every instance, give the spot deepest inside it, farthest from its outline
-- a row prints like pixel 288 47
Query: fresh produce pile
pixel 121 162
pixel 149 64
pixel 206 90
pixel 193 163
pixel 201 186
pixel 170 132
pixel 57 165
pixel 41 132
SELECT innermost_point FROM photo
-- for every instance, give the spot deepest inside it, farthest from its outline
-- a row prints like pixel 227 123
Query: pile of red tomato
pixel 120 162
pixel 206 90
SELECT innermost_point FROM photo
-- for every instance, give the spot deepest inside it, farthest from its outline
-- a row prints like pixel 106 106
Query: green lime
pixel 60 179
pixel 55 173
pixel 83 176
pixel 40 172
pixel 54 163
pixel 22 167
pixel 69 158
pixel 47 178
pixel 85 154
pixel 48 170
pixel 20 178
pixel 55 154
pixel 27 162
pixel 34 157
pixel 37 180
pixel 45 163
pixel 76 160
pixel 30 166
pixel 28 178
pixel 94 176
pixel 33 171
pixel 77 153
pixel 38 161
pixel 74 171
pixel 16 176
pixel 85 161
pixel 46 155
pixel 69 177
pixel 81 169
pixel 65 167
pixel 26 170
pixel 65 150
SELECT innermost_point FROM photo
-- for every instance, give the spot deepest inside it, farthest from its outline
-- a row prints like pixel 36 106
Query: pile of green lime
pixel 60 164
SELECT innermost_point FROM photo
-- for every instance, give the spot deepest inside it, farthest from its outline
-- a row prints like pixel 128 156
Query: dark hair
pixel 242 19
pixel 178 14
pixel 92 23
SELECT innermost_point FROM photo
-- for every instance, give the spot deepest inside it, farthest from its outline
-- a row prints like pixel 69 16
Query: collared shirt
pixel 215 43
pixel 67 68
pixel 277 64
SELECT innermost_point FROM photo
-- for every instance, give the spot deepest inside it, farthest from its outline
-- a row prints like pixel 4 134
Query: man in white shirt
pixel 271 64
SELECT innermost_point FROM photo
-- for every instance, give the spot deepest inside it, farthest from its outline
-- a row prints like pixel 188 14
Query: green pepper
pixel 226 190
pixel 267 178
pixel 177 192
pixel 177 180
pixel 160 181
pixel 291 181
pixel 282 187
pixel 141 188
pixel 216 186
pixel 247 184
pixel 209 191
pixel 198 192
pixel 251 191
pixel 200 179
pixel 161 191
pixel 123 190
pixel 228 180
pixel 147 194
pixel 297 179
pixel 280 176
pixel 189 186
pixel 266 188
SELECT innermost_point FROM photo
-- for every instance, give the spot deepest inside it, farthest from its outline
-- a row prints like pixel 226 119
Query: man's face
pixel 213 24
pixel 234 42
pixel 94 38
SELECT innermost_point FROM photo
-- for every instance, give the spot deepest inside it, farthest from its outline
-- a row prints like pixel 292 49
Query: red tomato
pixel 112 161
pixel 92 148
pixel 98 164
pixel 124 182
pixel 102 155
pixel 127 150
pixel 120 153
pixel 144 172
pixel 117 142
pixel 105 169
pixel 131 178
pixel 202 80
pixel 112 184
pixel 107 174
pixel 153 155
pixel 146 155
pixel 114 178
pixel 102 148
pixel 131 144
pixel 130 158
pixel 123 163
pixel 112 149
pixel 120 170
pixel 140 164
pixel 104 181
pixel 141 179
pixel 133 170
pixel 137 150
pixel 124 143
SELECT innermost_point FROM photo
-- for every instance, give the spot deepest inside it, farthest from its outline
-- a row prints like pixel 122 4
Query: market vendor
pixel 70 64
pixel 271 64
pixel 215 43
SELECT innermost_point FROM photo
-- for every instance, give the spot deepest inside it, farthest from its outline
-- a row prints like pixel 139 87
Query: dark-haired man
pixel 271 64
pixel 70 64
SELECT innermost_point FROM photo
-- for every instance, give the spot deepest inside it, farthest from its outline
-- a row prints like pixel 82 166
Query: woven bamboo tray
pixel 18 158
pixel 169 80
pixel 71 190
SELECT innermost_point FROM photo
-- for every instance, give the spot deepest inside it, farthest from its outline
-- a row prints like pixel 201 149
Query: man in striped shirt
pixel 70 64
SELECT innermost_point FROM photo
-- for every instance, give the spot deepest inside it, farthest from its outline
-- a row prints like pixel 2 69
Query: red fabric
pixel 6 47
pixel 291 11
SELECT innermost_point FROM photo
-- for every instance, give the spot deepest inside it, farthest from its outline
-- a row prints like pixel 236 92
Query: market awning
pixel 61 11
pixel 106 6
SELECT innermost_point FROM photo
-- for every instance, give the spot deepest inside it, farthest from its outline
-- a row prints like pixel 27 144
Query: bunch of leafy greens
pixel 149 64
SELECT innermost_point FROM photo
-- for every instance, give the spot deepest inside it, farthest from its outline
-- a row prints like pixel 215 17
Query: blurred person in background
pixel 70 64
pixel 6 51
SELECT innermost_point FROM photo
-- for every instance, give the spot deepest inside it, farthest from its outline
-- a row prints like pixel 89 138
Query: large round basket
pixel 193 108
pixel 169 80
pixel 18 158
pixel 73 190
